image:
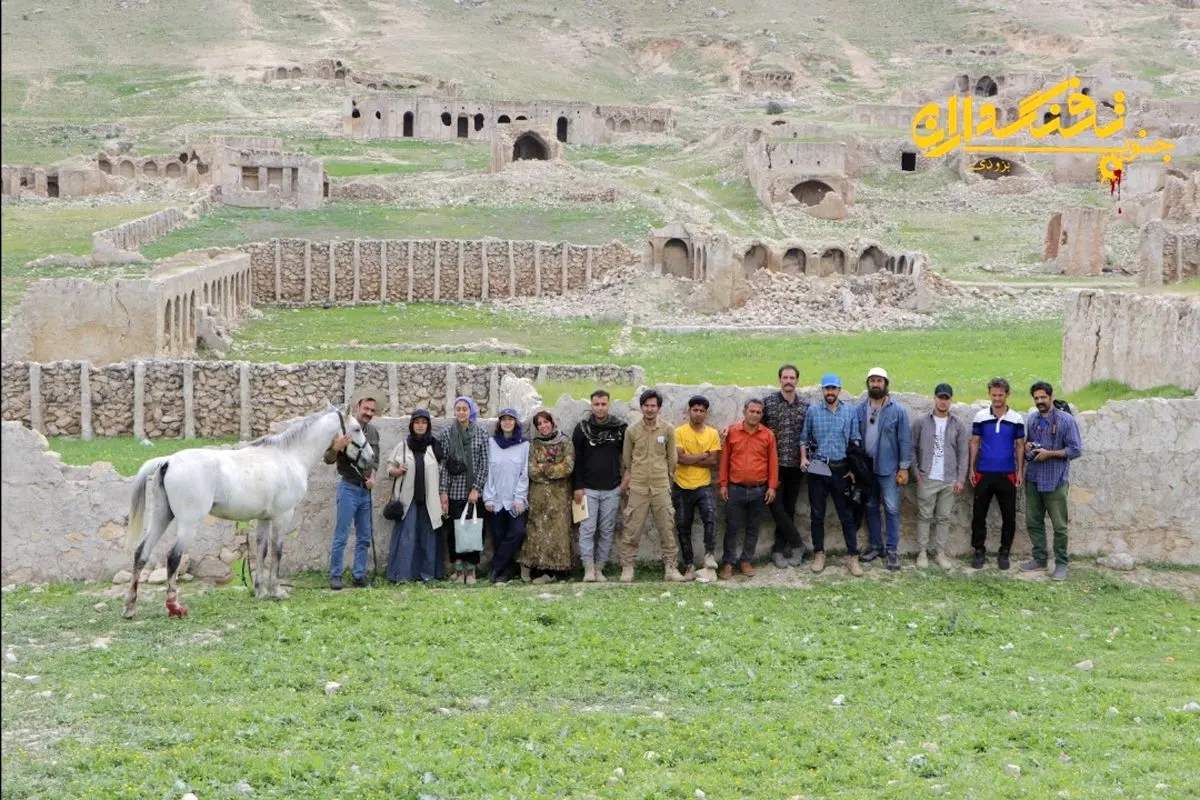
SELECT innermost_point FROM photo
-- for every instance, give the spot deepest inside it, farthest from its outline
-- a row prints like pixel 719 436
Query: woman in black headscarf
pixel 414 463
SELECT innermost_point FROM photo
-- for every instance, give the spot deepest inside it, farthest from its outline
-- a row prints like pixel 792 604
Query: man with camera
pixel 828 431
pixel 1053 443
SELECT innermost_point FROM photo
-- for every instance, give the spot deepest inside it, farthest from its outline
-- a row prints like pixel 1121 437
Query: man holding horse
pixel 354 491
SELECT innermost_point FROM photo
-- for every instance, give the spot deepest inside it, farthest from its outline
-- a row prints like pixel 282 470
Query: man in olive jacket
pixel 940 456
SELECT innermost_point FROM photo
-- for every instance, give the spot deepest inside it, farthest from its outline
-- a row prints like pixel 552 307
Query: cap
pixel 509 412
pixel 370 392
pixel 420 413
pixel 878 372
pixel 943 389
pixel 829 379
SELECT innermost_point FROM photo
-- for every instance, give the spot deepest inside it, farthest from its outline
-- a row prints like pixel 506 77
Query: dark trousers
pixel 508 534
pixel 743 509
pixel 456 509
pixel 687 502
pixel 783 510
pixel 821 488
pixel 1002 486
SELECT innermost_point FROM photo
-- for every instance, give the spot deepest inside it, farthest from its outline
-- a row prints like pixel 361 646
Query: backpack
pixel 1064 406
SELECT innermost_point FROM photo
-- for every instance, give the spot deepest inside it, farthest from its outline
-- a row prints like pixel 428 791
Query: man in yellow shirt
pixel 699 449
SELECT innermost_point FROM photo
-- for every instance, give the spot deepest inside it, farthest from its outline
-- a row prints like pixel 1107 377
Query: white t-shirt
pixel 937 470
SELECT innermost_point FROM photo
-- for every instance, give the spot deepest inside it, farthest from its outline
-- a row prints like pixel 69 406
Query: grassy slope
pixel 494 693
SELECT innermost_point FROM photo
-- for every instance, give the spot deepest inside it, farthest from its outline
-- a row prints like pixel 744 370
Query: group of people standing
pixel 532 489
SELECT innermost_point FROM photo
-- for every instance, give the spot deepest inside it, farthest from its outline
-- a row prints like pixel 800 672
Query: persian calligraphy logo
pixel 961 127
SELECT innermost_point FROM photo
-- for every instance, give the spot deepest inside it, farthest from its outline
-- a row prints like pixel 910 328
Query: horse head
pixel 359 450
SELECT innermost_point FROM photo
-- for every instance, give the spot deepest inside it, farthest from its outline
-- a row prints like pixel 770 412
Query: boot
pixel 540 579
pixel 818 563
pixel 922 559
pixel 853 567
pixel 589 572
pixel 470 580
pixel 943 560
pixel 598 575
pixel 710 561
pixel 627 573
pixel 671 573
pixel 690 575
pixel 526 575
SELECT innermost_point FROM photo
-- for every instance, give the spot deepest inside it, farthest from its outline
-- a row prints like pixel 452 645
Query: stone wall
pixel 1141 340
pixel 1134 490
pixel 175 398
pixel 129 236
pixel 302 272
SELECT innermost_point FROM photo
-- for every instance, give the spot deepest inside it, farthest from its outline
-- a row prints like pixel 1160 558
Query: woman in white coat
pixel 414 553
pixel 506 493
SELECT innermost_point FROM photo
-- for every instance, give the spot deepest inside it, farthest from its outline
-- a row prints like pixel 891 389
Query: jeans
pixel 889 490
pixel 1002 486
pixel 1037 505
pixel 935 499
pixel 602 506
pixel 783 511
pixel 821 488
pixel 743 508
pixel 686 502
pixel 353 505
pixel 508 534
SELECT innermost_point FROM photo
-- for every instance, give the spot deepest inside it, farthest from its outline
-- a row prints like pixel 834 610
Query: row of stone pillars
pixel 245 420
pixel 507 257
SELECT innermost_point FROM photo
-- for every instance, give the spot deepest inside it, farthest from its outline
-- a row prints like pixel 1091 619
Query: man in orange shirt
pixel 748 479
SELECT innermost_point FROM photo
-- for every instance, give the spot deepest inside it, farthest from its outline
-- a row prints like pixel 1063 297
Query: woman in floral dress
pixel 547 545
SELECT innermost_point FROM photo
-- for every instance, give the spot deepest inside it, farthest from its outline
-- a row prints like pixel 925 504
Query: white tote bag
pixel 468 533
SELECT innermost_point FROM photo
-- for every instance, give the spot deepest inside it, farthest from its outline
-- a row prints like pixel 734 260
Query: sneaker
pixel 779 561
pixel 943 560
pixel 599 574
pixel 671 573
pixel 627 574
pixel 869 556
pixel 922 559
pixel 1033 564
pixel 470 580
pixel 336 584
pixel 690 575
pixel 726 572
pixel 979 559
pixel 818 562
pixel 853 567
pixel 1002 561
pixel 893 560
pixel 796 558
pixel 1060 572
pixel 747 569
pixel 710 561
pixel 540 579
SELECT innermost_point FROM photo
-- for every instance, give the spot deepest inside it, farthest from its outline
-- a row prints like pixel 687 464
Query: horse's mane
pixel 291 433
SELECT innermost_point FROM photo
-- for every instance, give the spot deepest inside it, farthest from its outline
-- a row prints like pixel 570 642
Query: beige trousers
pixel 639 506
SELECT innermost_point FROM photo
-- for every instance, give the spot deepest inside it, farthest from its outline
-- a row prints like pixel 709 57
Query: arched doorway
pixel 986 87
pixel 962 84
pixel 281 73
pixel 625 126
pixel 296 73
pixel 871 261
pixel 479 122
pixel 530 147
pixel 676 260
pixel 656 126
pixel 561 129
pixel 794 261
pixel 811 193
pixel 755 259
pixel 503 119
pixel 463 126
pixel 150 170
pixel 833 262
pixel 174 169
pixel 408 124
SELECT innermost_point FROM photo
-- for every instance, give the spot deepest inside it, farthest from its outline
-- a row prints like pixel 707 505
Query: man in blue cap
pixel 828 431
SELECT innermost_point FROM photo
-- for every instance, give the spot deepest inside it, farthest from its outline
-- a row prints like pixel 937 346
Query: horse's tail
pixel 148 480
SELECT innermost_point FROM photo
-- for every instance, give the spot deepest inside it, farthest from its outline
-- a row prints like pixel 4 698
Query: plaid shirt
pixel 455 486
pixel 786 421
pixel 1059 431
pixel 831 431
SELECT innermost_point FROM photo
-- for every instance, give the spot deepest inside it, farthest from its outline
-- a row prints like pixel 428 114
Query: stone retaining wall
pixel 302 272
pixel 1141 340
pixel 175 398
pixel 1134 490
pixel 129 236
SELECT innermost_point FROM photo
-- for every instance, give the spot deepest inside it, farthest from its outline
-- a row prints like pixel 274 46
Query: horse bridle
pixel 353 461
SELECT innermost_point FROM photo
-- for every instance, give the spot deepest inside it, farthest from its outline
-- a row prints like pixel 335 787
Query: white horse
pixel 263 480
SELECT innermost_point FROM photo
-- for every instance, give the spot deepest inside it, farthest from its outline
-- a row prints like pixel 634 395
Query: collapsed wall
pixel 1134 490
pixel 1140 340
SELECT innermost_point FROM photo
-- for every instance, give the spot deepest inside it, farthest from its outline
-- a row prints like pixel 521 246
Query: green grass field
pixel 904 685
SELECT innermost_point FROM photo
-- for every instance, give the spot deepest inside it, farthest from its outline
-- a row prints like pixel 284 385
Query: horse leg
pixel 279 527
pixel 157 524
pixel 264 539
pixel 183 539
